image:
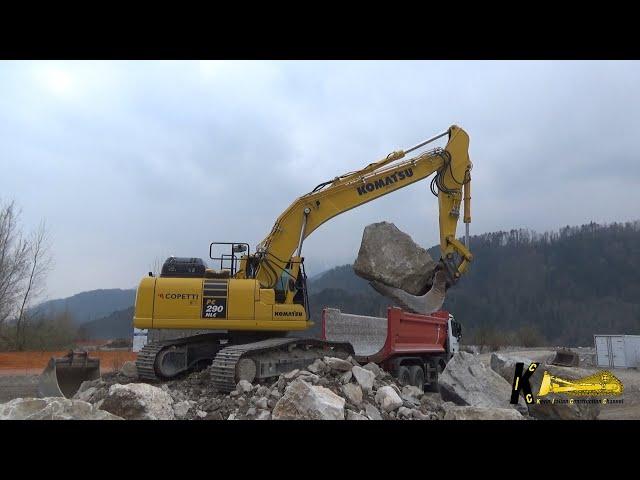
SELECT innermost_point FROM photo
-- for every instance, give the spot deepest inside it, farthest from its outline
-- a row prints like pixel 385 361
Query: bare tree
pixel 24 262
pixel 39 261
pixel 14 260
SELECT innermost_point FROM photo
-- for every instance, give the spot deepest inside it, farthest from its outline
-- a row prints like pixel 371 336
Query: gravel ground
pixel 15 386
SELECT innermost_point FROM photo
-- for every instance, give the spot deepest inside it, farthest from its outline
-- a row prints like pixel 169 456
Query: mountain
pixel 342 278
pixel 115 325
pixel 87 306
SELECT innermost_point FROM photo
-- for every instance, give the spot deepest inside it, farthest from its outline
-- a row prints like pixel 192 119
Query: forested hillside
pixel 558 288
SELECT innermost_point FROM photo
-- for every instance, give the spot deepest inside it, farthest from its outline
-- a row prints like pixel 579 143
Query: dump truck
pixel 413 348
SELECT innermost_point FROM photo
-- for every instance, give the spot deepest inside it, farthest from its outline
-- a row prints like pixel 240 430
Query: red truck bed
pixel 378 340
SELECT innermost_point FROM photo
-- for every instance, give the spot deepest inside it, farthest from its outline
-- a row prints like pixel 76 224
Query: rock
pixel 302 401
pixel 201 413
pixel 458 412
pixel 418 415
pixel 139 401
pixel 52 408
pixel 388 399
pixel 244 386
pixel 262 403
pixel 364 377
pixel 372 412
pixel 404 412
pixel 275 394
pixel 308 377
pixel 263 415
pixel 181 409
pixel 353 393
pixel 251 412
pixel 346 377
pixel 291 375
pixel 338 364
pixel 353 361
pixel 262 391
pixel 412 393
pixel 468 382
pixel 375 369
pixel 351 415
pixel 411 268
pixel 431 301
pixel 474 349
pixel 317 366
pixel 129 369
pixel 85 395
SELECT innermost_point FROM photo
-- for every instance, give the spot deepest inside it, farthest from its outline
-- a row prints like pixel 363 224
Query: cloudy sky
pixel 132 161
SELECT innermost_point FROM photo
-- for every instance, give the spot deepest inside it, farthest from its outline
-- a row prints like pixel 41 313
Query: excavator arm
pixel 281 249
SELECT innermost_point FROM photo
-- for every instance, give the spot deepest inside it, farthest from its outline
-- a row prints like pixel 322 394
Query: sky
pixel 130 162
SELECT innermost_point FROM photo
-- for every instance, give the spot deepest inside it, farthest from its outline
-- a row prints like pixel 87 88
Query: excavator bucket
pixel 63 376
pixel 566 358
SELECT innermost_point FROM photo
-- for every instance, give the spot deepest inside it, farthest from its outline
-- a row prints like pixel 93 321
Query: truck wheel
pixel 433 386
pixel 417 376
pixel 404 376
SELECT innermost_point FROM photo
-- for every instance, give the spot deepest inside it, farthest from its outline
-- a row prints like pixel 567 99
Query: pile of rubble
pixel 329 389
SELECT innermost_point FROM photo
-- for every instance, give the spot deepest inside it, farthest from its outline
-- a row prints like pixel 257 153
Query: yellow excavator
pixel 254 299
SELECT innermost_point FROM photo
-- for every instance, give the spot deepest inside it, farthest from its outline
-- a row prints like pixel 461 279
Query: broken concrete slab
pixel 139 401
pixel 52 408
pixel 303 401
pixel 391 257
pixel 468 382
pixel 388 399
pixel 481 413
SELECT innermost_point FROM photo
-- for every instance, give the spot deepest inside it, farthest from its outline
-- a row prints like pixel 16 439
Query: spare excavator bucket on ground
pixel 63 376
pixel 566 358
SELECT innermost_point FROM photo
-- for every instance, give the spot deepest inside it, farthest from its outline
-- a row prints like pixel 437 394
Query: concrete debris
pixel 351 415
pixel 388 399
pixel 353 393
pixel 364 377
pixel 468 382
pixel 52 408
pixel 303 401
pixel 181 409
pixel 375 369
pixel 458 412
pixel 336 388
pixel 244 386
pixel 139 401
pixel 411 269
pixel 318 366
pixel 338 364
pixel 129 369
pixel 346 377
pixel 372 412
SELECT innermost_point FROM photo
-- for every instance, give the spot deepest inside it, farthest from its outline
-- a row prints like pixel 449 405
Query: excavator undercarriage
pixel 231 363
